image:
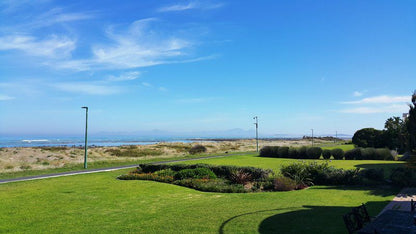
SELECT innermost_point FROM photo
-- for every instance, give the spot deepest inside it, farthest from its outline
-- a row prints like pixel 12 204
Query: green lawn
pixel 99 203
pixel 276 163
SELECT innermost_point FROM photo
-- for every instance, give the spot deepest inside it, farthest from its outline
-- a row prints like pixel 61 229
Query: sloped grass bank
pixel 98 202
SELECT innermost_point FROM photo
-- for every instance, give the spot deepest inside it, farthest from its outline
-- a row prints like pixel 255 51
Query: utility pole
pixel 312 136
pixel 86 136
pixel 257 131
pixel 336 136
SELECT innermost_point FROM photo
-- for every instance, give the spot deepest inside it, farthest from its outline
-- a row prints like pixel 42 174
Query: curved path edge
pixel 88 171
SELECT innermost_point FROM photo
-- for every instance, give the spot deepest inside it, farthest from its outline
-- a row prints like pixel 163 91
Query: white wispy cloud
pixel 190 5
pixel 146 84
pixel 137 46
pixel 377 104
pixel 6 97
pixel 125 76
pixel 87 88
pixel 378 109
pixel 357 94
pixel 163 89
pixel 380 99
pixel 195 100
pixel 55 16
pixel 53 47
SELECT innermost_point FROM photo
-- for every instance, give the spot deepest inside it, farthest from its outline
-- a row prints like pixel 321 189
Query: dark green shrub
pixel 219 170
pixel 326 154
pixel 372 174
pixel 197 149
pixel 403 176
pixel 197 173
pixel 266 151
pixel 283 152
pixel 293 152
pixel 337 153
pixel 165 172
pixel 302 152
pixel 319 174
pixel 314 152
pixel 353 154
pixel 275 151
pixel 384 154
pixel 368 153
pixel 284 184
pixel 212 185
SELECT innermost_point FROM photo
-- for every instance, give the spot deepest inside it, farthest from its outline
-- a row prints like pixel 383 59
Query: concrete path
pixel 402 200
pixel 88 171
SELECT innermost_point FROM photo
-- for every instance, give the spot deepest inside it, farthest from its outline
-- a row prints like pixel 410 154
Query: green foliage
pixel 353 154
pixel 293 152
pixel 283 152
pixel 223 171
pixel 314 152
pixel 326 154
pixel 375 174
pixel 368 137
pixel 284 184
pixel 368 153
pixel 302 152
pixel 384 154
pixel 197 173
pixel 266 151
pixel 411 124
pixel 337 153
pixel 220 186
pixel 320 174
pixel 166 172
pixel 197 149
pixel 403 176
pixel 394 133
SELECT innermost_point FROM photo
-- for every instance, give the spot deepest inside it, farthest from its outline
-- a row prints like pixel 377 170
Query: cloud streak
pixel 87 88
pixel 51 47
pixel 189 6
pixel 380 100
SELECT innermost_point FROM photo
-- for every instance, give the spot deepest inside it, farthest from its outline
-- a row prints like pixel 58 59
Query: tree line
pixel 398 134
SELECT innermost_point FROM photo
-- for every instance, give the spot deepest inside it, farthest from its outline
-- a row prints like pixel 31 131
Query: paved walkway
pixel 38 177
pixel 402 200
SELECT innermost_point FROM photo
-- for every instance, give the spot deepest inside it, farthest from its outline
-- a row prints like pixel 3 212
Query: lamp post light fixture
pixel 257 131
pixel 312 136
pixel 86 136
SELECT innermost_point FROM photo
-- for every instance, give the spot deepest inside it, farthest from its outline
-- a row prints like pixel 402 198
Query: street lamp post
pixel 312 136
pixel 257 131
pixel 86 136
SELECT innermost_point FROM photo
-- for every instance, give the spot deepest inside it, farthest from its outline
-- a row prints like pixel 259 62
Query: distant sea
pixel 77 141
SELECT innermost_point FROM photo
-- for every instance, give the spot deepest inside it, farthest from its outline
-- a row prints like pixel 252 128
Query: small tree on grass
pixel 197 149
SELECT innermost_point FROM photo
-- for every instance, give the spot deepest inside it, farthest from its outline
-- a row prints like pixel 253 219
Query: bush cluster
pixel 316 152
pixel 314 173
pixel 197 173
pixel 303 152
pixel 219 171
pixel 403 176
pixel 369 154
pixel 197 149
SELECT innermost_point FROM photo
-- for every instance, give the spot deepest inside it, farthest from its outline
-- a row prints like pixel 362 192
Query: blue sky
pixel 191 66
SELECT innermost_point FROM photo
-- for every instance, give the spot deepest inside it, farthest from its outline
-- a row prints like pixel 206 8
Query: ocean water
pixel 77 141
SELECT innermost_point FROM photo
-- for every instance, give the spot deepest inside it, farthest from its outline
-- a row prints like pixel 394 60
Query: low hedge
pixel 220 171
pixel 305 152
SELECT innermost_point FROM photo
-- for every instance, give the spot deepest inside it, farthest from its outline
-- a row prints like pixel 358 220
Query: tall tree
pixel 394 133
pixel 411 124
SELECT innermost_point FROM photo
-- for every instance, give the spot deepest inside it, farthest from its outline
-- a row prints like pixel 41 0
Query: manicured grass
pixel 276 163
pixel 98 202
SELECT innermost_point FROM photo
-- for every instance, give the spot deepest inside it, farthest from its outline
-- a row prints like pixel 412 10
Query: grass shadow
pixel 376 190
pixel 313 219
